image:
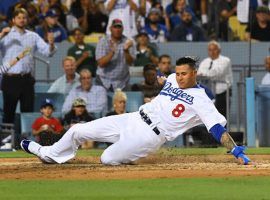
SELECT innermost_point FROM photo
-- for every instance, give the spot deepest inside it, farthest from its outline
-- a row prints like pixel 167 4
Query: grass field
pixel 216 188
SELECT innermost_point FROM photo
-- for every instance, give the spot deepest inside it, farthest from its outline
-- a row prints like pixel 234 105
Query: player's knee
pixel 107 159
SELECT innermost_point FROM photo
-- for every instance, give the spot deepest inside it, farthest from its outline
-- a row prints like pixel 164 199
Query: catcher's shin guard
pixel 238 152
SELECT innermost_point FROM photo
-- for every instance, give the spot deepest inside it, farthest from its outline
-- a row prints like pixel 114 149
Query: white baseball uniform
pixel 171 113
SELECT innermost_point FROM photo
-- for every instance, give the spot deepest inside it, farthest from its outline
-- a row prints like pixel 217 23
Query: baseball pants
pixel 132 139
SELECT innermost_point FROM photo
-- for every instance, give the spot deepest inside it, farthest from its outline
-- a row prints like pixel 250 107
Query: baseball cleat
pixel 25 144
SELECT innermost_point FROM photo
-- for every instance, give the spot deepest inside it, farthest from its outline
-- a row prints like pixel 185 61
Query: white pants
pixel 132 138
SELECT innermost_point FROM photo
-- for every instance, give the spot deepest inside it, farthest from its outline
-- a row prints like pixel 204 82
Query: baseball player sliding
pixel 181 105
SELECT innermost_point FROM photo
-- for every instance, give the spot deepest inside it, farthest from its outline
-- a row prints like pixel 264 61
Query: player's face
pixel 20 20
pixel 69 67
pixel 185 76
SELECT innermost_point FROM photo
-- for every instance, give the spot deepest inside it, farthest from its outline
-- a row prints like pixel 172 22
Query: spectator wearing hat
pixel 51 25
pixel 150 86
pixel 146 52
pixel 83 53
pixel 77 114
pixel 157 32
pixel 260 28
pixel 114 54
pixel 187 31
pixel 126 11
pixel 94 95
pixel 67 81
pixel 47 129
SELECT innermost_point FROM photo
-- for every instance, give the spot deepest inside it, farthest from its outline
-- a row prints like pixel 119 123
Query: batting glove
pixel 238 152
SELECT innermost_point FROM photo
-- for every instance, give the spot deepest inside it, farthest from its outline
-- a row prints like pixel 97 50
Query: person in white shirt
pixel 125 10
pixel 218 69
pixel 266 78
pixel 181 105
pixel 69 80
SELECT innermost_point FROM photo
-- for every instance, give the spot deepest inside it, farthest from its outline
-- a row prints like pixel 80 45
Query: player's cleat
pixel 238 152
pixel 25 145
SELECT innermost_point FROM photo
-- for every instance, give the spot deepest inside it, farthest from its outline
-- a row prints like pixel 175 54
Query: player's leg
pixel 136 141
pixel 103 130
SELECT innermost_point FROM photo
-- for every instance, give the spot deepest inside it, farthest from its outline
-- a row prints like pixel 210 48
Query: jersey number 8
pixel 179 109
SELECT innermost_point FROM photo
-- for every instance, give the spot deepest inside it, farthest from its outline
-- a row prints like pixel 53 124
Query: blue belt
pixel 148 121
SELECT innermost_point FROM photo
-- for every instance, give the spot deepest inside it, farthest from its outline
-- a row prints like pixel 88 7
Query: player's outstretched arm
pixel 238 151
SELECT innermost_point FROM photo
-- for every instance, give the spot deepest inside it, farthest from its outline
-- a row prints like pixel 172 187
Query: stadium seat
pixel 136 71
pixel 57 98
pixel 41 87
pixel 134 80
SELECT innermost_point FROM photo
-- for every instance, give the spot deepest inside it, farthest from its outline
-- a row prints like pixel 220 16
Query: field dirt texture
pixel 154 166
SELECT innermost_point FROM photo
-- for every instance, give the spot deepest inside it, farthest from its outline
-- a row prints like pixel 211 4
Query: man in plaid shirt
pixel 114 54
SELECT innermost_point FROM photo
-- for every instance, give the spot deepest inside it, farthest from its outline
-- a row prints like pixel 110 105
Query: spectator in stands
pixel 18 83
pixel 150 87
pixel 47 129
pixel 50 24
pixel 69 80
pixel 126 11
pixel 164 65
pixel 60 9
pixel 260 27
pixel 83 53
pixel 164 18
pixel 114 54
pixel 119 103
pixel 175 10
pixel 226 9
pixel 146 52
pixel 187 31
pixel 94 21
pixel 218 69
pixel 94 95
pixel 157 33
pixel 33 13
pixel 77 114
pixel 266 78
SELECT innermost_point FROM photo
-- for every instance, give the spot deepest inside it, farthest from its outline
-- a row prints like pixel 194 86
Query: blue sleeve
pixel 217 130
pixel 208 92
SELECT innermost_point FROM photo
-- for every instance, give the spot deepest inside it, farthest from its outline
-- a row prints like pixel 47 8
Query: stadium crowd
pixel 126 34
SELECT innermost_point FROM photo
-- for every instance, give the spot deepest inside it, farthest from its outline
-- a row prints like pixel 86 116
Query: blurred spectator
pixel 51 25
pixel 164 18
pixel 187 31
pixel 164 65
pixel 18 82
pixel 69 80
pixel 94 21
pixel 114 53
pixel 175 10
pixel 83 53
pixel 218 69
pixel 18 4
pixel 33 15
pixel 156 32
pixel 80 8
pixel 119 103
pixel 266 78
pixel 46 128
pixel 126 11
pixel 226 9
pixel 94 95
pixel 150 87
pixel 60 9
pixel 146 53
pixel 77 114
pixel 260 27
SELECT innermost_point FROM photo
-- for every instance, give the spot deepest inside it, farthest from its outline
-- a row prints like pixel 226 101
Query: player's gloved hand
pixel 238 152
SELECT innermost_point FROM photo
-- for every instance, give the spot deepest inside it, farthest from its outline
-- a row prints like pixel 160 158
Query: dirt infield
pixel 85 168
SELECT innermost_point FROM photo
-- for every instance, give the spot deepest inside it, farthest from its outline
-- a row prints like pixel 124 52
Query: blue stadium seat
pixel 135 100
pixel 57 98
pixel 136 79
pixel 27 120
pixel 42 87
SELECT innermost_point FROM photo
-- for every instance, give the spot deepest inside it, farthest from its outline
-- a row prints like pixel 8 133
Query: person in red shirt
pixel 47 129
